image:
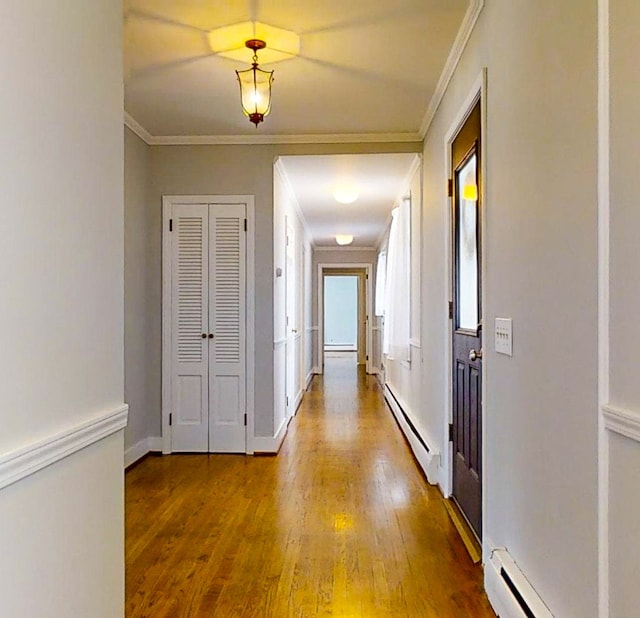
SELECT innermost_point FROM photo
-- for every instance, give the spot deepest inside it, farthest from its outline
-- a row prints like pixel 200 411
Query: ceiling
pixel 379 180
pixel 365 67
pixel 367 70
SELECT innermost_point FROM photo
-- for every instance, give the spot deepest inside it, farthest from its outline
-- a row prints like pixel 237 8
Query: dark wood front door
pixel 466 431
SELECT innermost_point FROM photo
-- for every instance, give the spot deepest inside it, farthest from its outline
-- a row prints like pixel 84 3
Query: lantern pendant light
pixel 255 86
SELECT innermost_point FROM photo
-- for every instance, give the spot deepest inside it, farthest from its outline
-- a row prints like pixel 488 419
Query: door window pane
pixel 467 244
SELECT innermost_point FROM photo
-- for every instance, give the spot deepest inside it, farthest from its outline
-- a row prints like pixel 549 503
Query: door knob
pixel 210 335
pixel 204 335
pixel 473 355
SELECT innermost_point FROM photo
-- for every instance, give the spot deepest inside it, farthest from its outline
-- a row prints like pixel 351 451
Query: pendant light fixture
pixel 255 86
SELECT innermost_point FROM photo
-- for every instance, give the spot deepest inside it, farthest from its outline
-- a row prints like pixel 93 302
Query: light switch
pixel 504 336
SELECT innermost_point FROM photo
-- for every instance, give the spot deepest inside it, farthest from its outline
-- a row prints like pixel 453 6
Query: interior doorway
pixel 341 318
pixel 344 294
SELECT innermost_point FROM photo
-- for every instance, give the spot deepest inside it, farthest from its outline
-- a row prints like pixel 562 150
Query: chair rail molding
pixel 621 421
pixel 32 457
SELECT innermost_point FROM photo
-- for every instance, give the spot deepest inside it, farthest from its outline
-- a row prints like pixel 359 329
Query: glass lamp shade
pixel 344 239
pixel 255 93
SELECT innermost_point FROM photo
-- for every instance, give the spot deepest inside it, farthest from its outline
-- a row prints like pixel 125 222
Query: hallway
pixel 340 523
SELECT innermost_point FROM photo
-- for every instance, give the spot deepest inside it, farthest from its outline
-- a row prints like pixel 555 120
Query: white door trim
pixel 368 268
pixel 167 206
pixel 478 92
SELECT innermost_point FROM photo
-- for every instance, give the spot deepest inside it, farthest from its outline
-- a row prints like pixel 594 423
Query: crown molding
pixel 243 140
pixel 330 138
pixel 459 45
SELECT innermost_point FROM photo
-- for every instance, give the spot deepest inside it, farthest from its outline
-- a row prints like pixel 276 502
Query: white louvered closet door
pixel 227 319
pixel 189 316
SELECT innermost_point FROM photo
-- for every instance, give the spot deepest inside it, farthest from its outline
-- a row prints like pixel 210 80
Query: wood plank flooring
pixel 340 523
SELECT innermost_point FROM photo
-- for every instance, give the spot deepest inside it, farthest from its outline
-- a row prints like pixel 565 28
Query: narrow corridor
pixel 340 523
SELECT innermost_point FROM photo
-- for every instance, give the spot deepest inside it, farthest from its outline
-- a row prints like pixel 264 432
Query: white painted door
pixel 227 319
pixel 208 321
pixel 190 328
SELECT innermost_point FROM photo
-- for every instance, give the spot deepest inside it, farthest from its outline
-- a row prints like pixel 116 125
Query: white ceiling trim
pixel 459 45
pixel 137 128
pixel 232 140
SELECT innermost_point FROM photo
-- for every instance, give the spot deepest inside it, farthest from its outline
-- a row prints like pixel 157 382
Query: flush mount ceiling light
pixel 255 86
pixel 346 195
pixel 344 239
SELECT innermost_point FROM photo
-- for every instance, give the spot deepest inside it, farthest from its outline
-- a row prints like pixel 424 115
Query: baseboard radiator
pixel 427 459
pixel 509 591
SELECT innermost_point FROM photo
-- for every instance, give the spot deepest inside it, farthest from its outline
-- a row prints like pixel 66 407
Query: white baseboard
pixel 140 449
pixel 428 459
pixel 268 445
pixel 27 459
pixel 502 600
pixel 316 370
pixel 297 402
pixel 308 380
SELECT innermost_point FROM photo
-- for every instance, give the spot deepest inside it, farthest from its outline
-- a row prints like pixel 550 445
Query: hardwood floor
pixel 340 523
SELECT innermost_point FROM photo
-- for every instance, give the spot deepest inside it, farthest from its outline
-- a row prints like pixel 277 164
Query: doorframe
pixel 477 93
pixel 168 201
pixel 368 268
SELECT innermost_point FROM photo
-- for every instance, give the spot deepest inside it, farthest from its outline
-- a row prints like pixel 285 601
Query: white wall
pixel 140 363
pixel 541 270
pixel 61 308
pixel 624 395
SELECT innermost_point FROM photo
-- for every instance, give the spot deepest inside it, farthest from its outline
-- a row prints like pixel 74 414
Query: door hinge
pixel 450 187
pixel 170 419
pixel 451 310
pixel 245 420
pixel 450 432
pixel 245 225
pixel 287 398
pixel 367 358
pixel 171 225
pixel 367 277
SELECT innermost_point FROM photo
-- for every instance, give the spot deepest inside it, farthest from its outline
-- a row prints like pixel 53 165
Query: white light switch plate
pixel 504 336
